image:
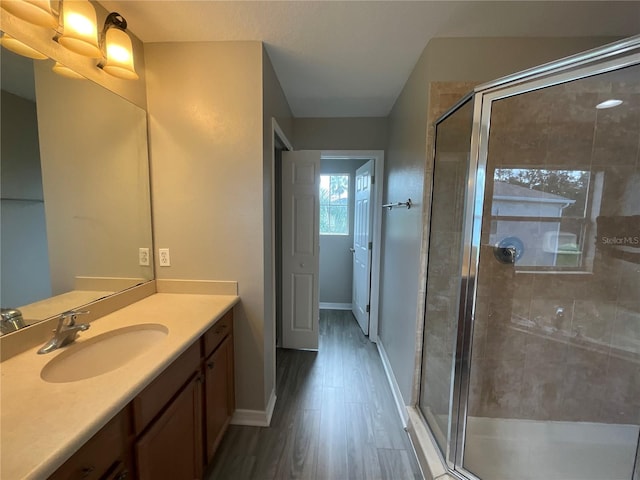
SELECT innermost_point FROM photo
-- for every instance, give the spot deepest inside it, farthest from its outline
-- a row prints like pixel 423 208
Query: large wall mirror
pixel 75 201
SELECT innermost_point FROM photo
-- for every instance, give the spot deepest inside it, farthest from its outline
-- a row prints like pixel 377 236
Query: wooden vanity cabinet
pixel 104 456
pixel 218 395
pixel 187 409
pixel 168 422
pixel 172 447
pixel 171 430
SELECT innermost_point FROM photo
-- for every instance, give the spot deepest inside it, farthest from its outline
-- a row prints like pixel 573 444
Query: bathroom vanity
pixel 156 414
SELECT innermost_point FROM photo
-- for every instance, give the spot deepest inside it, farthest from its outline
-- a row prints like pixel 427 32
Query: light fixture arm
pixel 114 19
pixel 116 48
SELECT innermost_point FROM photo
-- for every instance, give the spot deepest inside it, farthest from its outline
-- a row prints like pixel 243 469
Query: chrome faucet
pixel 66 331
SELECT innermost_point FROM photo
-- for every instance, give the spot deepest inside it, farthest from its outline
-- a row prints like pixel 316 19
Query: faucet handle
pixel 68 318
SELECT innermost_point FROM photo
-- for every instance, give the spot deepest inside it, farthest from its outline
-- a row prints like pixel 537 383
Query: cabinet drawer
pixel 100 454
pixel 150 402
pixel 218 332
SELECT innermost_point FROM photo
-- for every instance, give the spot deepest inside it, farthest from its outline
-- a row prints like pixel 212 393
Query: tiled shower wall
pixel 583 364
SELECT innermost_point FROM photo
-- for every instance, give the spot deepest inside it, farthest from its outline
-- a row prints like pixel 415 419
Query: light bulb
pixel 65 71
pixel 37 12
pixel 16 46
pixel 119 53
pixel 79 28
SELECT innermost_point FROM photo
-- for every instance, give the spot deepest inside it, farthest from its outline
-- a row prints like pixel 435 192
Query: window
pixel 545 215
pixel 334 204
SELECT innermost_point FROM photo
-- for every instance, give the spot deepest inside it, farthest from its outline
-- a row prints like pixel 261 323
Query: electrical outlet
pixel 143 256
pixel 163 255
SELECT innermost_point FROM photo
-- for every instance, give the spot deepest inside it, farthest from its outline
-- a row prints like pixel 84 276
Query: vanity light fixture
pixel 609 104
pixel 37 12
pixel 16 46
pixel 65 71
pixel 117 48
pixel 79 28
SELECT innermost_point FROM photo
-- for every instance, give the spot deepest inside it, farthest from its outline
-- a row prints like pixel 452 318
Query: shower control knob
pixel 505 255
pixel 509 250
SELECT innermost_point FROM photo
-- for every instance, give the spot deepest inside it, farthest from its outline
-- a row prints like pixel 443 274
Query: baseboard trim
pixel 424 444
pixel 255 418
pixel 395 389
pixel 270 406
pixel 335 306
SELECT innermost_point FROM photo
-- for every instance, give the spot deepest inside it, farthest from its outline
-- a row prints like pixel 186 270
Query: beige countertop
pixel 43 424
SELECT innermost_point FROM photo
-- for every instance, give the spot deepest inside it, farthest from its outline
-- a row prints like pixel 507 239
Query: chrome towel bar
pixel 399 204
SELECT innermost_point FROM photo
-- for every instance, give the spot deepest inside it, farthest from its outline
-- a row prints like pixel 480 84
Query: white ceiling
pixel 352 58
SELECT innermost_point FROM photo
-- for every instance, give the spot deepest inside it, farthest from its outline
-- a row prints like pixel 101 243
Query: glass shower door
pixel 554 380
pixel 453 137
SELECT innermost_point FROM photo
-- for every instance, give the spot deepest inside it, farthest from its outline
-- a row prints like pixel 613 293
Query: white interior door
pixel 361 245
pixel 300 249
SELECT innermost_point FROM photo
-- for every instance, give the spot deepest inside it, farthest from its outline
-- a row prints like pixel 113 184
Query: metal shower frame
pixel 601 60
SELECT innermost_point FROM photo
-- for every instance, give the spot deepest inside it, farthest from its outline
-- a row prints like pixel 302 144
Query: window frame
pixel 587 225
pixel 324 204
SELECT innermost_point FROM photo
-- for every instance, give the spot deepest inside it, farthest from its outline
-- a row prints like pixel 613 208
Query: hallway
pixel 334 419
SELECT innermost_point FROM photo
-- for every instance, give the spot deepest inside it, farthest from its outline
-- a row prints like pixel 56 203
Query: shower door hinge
pixel 373 179
pixel 370 245
pixel 368 308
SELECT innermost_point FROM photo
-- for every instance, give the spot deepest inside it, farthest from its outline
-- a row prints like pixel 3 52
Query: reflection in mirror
pixel 75 203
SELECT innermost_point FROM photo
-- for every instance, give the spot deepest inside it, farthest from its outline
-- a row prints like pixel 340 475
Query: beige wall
pixel 402 229
pixel 485 59
pixel 274 105
pixel 24 274
pixel 357 133
pixel 444 59
pixel 40 39
pixel 95 175
pixel 207 158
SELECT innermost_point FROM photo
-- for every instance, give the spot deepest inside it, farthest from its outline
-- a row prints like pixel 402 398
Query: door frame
pixel 277 135
pixel 376 237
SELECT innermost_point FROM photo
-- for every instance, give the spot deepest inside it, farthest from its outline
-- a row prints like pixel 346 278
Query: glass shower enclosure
pixel 531 348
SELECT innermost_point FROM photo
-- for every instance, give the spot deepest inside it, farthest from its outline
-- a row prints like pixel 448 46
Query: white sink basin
pixel 103 353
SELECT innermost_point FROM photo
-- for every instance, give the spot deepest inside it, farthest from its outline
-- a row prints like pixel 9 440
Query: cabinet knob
pixel 86 471
pixel 122 475
pixel 210 365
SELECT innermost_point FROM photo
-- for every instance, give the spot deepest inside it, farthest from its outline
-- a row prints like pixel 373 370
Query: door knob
pixel 352 250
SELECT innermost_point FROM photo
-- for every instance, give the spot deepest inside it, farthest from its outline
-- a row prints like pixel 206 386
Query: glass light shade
pixel 37 12
pixel 16 46
pixel 65 71
pixel 79 28
pixel 119 54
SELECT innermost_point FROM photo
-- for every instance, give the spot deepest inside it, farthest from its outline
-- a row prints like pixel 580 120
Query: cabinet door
pixel 100 454
pixel 172 447
pixel 217 408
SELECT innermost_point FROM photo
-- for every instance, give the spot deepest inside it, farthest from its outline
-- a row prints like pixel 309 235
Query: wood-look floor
pixel 334 418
